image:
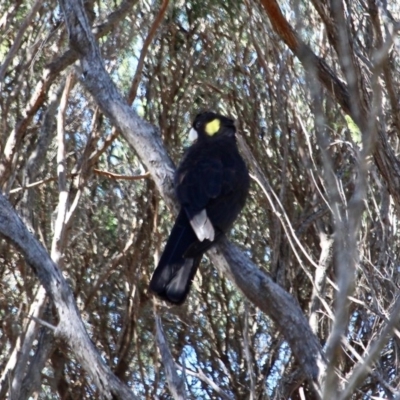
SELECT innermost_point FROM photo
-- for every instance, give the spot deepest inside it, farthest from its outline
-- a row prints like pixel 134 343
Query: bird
pixel 211 183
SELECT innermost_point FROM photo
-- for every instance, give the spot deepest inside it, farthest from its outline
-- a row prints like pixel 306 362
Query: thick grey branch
pixel 175 383
pixel 272 299
pixel 70 327
pixel 141 135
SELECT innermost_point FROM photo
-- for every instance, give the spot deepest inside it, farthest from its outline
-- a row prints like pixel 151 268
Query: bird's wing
pixel 197 185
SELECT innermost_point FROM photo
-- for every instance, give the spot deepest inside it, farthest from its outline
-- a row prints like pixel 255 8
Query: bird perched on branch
pixel 211 184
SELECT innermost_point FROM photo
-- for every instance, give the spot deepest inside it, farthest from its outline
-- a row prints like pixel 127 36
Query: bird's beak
pixel 193 135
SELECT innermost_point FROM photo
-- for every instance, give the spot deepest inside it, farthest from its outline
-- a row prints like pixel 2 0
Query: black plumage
pixel 211 184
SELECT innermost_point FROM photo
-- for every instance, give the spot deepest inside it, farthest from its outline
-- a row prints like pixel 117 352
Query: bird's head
pixel 209 125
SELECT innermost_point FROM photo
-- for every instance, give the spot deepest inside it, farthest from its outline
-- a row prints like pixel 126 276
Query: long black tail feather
pixel 173 276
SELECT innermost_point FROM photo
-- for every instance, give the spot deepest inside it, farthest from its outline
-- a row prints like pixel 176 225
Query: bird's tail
pixel 173 276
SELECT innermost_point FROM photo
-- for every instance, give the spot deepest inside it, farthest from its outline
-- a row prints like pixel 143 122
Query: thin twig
pixel 364 365
pixel 124 177
pixel 97 171
pixel 146 44
pixel 42 322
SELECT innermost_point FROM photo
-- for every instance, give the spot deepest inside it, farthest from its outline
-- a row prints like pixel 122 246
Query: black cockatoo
pixel 211 184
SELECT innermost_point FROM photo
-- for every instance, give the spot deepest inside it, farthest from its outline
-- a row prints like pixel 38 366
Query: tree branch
pixel 304 53
pixel 70 327
pixel 175 383
pixel 146 44
pixel 50 73
pixel 275 302
pixel 385 158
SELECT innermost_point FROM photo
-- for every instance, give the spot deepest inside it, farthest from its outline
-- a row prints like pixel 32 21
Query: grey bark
pixel 175 383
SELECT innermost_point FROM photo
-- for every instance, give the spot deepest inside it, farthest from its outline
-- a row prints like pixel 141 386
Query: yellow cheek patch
pixel 213 127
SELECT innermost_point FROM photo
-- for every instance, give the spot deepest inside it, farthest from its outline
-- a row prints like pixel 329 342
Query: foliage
pixel 224 56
